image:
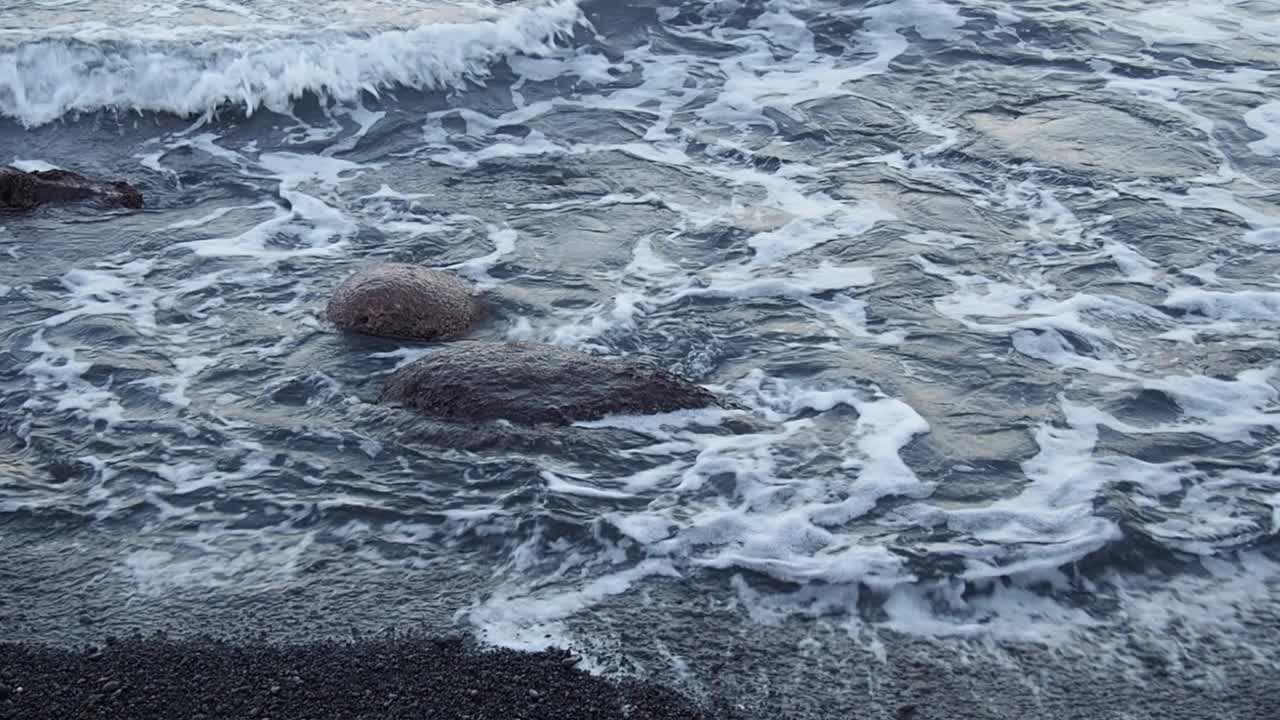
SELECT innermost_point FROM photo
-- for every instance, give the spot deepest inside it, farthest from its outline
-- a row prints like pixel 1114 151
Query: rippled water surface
pixel 997 286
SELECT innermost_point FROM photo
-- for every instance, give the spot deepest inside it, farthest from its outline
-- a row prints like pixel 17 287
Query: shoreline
pixel 384 677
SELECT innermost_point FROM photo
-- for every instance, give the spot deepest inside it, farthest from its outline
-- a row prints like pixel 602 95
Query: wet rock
pixel 1087 137
pixel 528 383
pixel 21 190
pixel 398 300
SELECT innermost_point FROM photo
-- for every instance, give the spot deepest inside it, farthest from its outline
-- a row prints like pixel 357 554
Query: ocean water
pixel 996 284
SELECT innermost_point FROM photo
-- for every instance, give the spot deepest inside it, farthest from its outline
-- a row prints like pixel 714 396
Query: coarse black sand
pixel 379 678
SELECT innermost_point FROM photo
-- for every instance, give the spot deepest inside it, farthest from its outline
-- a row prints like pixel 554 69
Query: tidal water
pixel 995 284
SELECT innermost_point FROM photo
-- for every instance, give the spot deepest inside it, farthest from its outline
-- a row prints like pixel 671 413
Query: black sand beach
pixel 384 678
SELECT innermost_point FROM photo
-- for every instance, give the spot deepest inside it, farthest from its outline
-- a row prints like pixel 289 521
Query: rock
pixel 529 384
pixel 20 190
pixel 397 300
pixel 6 692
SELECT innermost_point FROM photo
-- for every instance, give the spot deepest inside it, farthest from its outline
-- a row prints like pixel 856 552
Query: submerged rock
pixel 21 190
pixel 398 300
pixel 1087 137
pixel 528 383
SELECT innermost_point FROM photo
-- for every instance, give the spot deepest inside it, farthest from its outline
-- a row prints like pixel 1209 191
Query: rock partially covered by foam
pixel 529 384
pixel 398 300
pixel 22 190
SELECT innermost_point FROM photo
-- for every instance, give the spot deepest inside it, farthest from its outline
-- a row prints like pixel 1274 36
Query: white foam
pixel 61 369
pixel 1243 305
pixel 819 220
pixel 504 243
pixel 386 192
pixel 1181 95
pixel 1196 23
pixel 532 619
pixel 1266 120
pixel 111 290
pixel 41 81
pixel 218 557
pixel 32 165
pixel 215 215
pixel 950 136
pixel 173 388
pixel 558 484
pixel 309 227
pixel 1182 23
pixel 933 20
pixel 1217 198
pixel 1134 265
pixel 771 518
pixel 1036 320
pixel 796 284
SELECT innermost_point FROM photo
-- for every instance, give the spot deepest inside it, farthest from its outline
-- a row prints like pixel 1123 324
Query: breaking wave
pixel 46 79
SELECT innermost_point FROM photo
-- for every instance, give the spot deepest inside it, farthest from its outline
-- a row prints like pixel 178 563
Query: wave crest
pixel 44 80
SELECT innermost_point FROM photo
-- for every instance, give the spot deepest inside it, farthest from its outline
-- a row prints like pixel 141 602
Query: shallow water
pixel 998 285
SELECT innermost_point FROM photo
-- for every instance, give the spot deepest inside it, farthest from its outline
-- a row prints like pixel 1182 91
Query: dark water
pixel 998 284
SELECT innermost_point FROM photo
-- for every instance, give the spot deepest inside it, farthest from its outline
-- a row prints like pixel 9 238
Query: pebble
pixel 404 676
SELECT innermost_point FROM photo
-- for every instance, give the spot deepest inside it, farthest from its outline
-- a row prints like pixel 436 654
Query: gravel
pixel 384 678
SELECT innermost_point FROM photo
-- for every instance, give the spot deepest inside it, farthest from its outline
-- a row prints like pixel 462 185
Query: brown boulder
pixel 21 190
pixel 531 384
pixel 398 300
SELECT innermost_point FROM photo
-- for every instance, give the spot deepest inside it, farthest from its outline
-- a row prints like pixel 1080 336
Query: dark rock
pixel 513 130
pixel 397 300
pixel 21 190
pixel 530 384
pixel 6 692
pixel 111 686
pixel 63 470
